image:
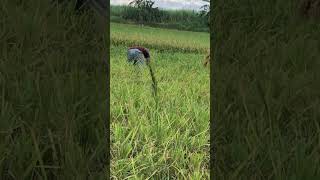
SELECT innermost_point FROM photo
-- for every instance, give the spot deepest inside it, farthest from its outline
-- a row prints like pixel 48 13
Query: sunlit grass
pixel 170 139
pixel 160 39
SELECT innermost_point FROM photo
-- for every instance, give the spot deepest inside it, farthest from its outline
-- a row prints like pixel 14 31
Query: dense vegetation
pixel 174 19
pixel 165 136
pixel 52 92
pixel 266 91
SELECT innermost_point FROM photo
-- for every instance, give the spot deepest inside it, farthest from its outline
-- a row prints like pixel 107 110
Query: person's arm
pixel 148 60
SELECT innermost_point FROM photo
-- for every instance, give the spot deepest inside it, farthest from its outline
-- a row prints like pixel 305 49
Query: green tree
pixel 144 11
pixel 205 11
pixel 143 4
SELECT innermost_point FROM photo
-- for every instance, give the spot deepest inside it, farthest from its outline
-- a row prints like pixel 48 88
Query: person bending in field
pixel 138 55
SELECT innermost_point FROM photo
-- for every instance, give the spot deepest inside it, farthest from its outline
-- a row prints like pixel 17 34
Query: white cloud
pixel 116 2
pixel 169 4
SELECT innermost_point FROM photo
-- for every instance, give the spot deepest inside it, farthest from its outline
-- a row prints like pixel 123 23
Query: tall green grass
pixel 169 137
pixel 52 93
pixel 265 88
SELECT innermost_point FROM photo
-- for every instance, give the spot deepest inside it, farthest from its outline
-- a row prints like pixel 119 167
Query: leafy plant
pixel 142 11
pixel 143 4
pixel 205 11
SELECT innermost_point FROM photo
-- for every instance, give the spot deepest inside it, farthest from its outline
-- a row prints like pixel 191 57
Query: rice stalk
pixel 154 82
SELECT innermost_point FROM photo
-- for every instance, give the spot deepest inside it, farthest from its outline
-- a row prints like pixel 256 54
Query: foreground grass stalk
pixel 154 82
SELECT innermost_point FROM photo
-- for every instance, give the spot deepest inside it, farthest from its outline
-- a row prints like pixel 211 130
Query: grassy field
pixel 169 138
pixel 52 93
pixel 265 87
pixel 160 39
pixel 266 91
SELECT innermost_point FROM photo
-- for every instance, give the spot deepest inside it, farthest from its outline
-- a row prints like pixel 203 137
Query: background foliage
pixel 144 12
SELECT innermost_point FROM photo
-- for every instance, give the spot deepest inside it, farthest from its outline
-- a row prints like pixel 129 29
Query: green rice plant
pixel 52 92
pixel 169 137
pixel 154 82
pixel 266 97
pixel 160 39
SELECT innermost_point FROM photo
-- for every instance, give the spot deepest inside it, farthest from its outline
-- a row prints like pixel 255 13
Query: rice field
pixel 165 136
pixel 159 39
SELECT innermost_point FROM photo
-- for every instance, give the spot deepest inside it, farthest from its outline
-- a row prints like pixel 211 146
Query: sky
pixel 168 4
